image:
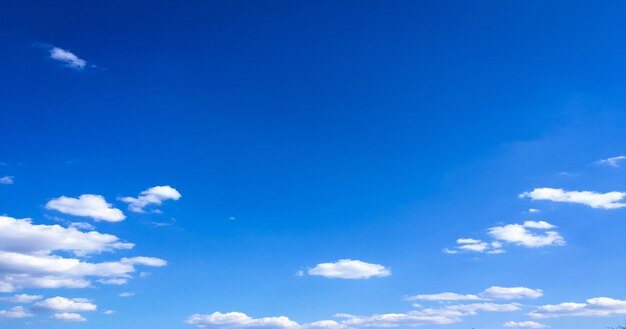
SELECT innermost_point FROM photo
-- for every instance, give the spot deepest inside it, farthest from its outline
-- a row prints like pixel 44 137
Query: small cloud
pixel 126 294
pixel 232 218
pixel 612 162
pixel 82 226
pixel 152 196
pixel 525 324
pixel 350 269
pixel 533 210
pixel 87 205
pixel 300 273
pixel 21 299
pixel 108 312
pixel 68 58
pixel 609 200
pixel 6 180
pixel 69 317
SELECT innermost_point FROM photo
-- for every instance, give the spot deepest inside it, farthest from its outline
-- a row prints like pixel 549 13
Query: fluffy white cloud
pixel 21 235
pixel 350 269
pixel 600 306
pixel 29 259
pixel 445 296
pixel 68 58
pixel 6 180
pixel 87 205
pixel 21 299
pixel 521 235
pixel 525 324
pixel 511 293
pixel 69 317
pixel 612 162
pixel 152 196
pixel 62 304
pixel 609 200
pixel 240 320
pixel 17 312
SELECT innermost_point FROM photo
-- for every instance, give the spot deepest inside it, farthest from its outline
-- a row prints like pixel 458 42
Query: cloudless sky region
pixel 312 164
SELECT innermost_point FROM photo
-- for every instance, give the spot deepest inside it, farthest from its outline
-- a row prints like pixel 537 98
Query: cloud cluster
pixel 153 196
pixel 6 180
pixel 422 316
pixel 609 200
pixel 525 324
pixel 349 269
pixel 492 293
pixel 530 234
pixel 35 256
pixel 600 306
pixel 17 312
pixel 87 205
pixel 21 299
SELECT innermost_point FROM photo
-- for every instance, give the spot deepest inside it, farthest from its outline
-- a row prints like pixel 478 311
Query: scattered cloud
pixel 126 294
pixel 69 317
pixel 68 58
pixel 521 234
pixel 82 226
pixel 349 269
pixel 609 200
pixel 87 205
pixel 219 320
pixel 600 306
pixel 21 299
pixel 153 196
pixel 36 256
pixel 511 293
pixel 525 324
pixel 612 162
pixel 108 312
pixel 491 293
pixel 17 312
pixel 444 297
pixel 6 180
pixel 533 210
pixel 62 304
pixel 423 316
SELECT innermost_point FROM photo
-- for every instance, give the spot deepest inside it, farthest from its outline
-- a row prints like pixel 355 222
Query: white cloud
pixel 17 312
pixel 445 296
pixel 152 196
pixel 533 210
pixel 6 180
pixel 87 205
pixel 21 299
pixel 109 312
pixel 82 226
pixel 609 200
pixel 68 58
pixel 240 320
pixel 69 317
pixel 525 324
pixel 349 269
pixel 521 235
pixel 512 293
pixel 612 162
pixel 423 316
pixel 29 259
pixel 473 245
pixel 126 294
pixel 491 293
pixel 62 304
pixel 21 235
pixel 600 306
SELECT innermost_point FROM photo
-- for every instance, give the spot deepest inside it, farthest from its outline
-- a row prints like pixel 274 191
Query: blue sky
pixel 312 164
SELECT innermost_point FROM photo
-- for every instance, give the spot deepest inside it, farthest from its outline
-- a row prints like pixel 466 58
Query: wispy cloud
pixel 609 200
pixel 6 180
pixel 525 324
pixel 612 162
pixel 68 58
pixel 600 306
